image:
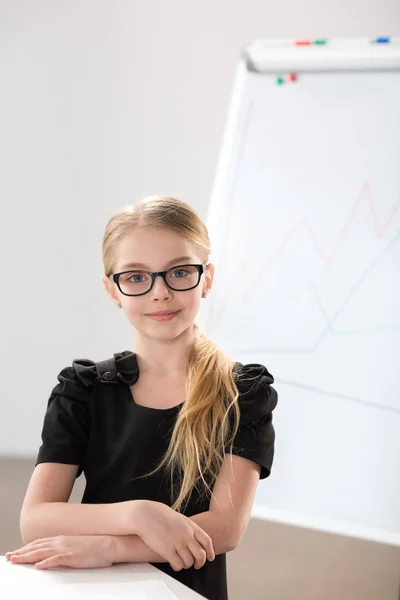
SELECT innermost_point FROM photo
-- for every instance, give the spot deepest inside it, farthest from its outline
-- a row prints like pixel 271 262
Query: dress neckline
pixel 152 408
pixel 135 367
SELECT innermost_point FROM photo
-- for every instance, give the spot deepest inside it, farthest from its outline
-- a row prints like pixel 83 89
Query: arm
pixel 225 521
pixel 57 532
pixel 231 503
pixel 46 511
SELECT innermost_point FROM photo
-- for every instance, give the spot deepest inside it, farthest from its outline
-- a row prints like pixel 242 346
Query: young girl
pixel 172 437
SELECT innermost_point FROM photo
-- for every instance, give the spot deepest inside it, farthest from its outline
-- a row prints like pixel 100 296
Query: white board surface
pixel 305 224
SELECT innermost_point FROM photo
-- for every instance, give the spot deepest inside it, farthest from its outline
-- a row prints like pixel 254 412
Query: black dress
pixel 92 421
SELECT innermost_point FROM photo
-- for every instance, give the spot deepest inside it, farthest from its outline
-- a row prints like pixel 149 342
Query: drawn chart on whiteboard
pixel 307 275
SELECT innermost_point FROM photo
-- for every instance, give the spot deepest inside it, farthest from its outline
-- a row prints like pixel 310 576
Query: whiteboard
pixel 304 222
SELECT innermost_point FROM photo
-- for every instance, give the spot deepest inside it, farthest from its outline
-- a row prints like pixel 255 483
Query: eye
pixel 183 271
pixel 136 278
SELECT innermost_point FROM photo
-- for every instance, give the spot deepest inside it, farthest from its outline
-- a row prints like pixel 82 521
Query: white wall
pixel 102 102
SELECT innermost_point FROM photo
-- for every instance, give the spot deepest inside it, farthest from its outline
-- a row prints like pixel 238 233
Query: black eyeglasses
pixel 138 282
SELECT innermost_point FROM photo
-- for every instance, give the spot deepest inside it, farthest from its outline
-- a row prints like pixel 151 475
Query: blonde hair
pixel 209 418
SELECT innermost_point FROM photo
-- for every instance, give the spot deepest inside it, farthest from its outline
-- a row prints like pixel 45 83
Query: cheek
pixel 191 300
pixel 134 309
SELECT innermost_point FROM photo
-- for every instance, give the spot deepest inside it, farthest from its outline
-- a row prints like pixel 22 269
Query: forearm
pixel 220 527
pixel 131 548
pixel 50 519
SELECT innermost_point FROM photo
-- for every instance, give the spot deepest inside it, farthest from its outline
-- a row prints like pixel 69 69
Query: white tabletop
pixel 134 581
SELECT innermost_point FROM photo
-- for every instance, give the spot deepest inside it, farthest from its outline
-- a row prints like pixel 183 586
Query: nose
pixel 160 288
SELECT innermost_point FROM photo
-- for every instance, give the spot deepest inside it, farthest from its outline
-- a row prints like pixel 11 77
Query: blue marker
pixel 382 40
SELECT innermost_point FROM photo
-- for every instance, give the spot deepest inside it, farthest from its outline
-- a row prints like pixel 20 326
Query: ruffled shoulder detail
pixel 255 437
pixel 122 366
pixel 127 367
pixel 85 371
pixel 257 397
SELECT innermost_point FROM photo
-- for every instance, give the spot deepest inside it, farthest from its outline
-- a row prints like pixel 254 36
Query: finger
pixel 8 555
pixel 18 550
pixel 26 551
pixel 205 540
pixel 30 557
pixel 175 561
pixel 186 557
pixel 54 561
pixel 34 546
pixel 200 555
pixel 30 545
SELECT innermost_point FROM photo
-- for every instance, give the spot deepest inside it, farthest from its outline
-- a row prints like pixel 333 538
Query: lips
pixel 163 313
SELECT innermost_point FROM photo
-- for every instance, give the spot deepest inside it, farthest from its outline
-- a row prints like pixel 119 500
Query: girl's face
pixel 156 249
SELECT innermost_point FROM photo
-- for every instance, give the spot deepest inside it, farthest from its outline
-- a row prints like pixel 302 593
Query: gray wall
pixel 102 102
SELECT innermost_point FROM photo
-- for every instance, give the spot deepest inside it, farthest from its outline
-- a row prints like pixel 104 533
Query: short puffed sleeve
pixel 67 421
pixel 255 437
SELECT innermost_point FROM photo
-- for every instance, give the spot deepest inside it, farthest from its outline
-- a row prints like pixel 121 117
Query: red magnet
pixel 292 77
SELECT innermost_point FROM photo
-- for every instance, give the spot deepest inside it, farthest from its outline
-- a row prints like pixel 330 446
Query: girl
pixel 172 437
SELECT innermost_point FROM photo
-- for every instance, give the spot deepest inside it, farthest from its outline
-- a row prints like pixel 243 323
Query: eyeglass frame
pixel 154 274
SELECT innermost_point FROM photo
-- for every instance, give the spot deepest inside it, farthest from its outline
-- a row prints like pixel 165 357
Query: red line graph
pixel 379 231
pixel 364 196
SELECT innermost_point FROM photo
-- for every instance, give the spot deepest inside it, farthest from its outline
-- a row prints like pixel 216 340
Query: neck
pixel 165 357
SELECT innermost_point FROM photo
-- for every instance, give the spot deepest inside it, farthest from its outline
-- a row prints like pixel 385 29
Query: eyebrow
pixel 174 261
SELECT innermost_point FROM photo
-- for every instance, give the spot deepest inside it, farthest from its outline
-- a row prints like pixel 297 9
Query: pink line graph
pixel 364 196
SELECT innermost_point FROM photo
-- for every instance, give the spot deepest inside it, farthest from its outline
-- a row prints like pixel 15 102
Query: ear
pixel 110 288
pixel 209 277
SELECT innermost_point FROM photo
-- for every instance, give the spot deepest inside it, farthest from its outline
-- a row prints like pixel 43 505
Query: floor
pixel 274 561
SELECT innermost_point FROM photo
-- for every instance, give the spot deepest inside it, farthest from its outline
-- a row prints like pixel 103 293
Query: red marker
pixel 302 43
pixel 292 77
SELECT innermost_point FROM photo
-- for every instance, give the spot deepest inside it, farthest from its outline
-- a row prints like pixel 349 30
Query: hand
pixel 76 551
pixel 173 536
